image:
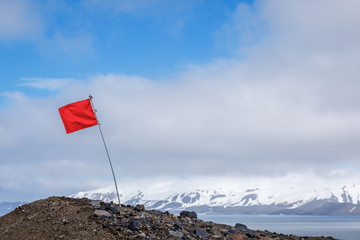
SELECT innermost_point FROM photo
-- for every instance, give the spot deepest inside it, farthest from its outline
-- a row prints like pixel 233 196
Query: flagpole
pixel 107 152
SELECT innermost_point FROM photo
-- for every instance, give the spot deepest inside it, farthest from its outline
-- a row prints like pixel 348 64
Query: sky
pixel 185 91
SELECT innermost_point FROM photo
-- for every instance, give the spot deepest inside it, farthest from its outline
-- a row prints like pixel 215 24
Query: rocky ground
pixel 68 218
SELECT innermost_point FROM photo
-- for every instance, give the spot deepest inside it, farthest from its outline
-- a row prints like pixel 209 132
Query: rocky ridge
pixel 6 207
pixel 69 218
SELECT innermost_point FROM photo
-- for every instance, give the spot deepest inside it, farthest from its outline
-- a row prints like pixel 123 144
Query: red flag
pixel 77 116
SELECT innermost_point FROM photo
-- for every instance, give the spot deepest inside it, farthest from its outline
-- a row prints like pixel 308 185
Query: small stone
pixel 199 232
pixel 157 213
pixel 128 232
pixel 135 224
pixel 250 233
pixel 178 226
pixel 140 208
pixel 154 227
pixel 64 221
pixel 102 213
pixel 95 203
pixel 176 233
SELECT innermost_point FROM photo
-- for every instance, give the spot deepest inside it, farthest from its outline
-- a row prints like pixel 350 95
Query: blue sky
pixel 184 89
pixel 75 39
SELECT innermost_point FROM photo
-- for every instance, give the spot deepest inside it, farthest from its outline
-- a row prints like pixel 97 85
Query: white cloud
pixel 288 106
pixel 19 20
pixel 39 24
pixel 46 83
pixel 244 29
pixel 328 24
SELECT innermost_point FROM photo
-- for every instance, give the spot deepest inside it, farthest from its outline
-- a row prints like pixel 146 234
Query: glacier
pixel 265 199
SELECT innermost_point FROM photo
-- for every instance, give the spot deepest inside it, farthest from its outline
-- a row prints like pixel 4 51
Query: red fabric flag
pixel 77 116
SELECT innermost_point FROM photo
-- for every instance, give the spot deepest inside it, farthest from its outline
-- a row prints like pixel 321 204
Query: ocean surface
pixel 340 227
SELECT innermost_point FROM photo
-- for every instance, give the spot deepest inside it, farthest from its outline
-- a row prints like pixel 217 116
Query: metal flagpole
pixel 107 152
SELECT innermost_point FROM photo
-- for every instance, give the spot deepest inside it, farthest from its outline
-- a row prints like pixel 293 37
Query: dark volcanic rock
pixel 241 227
pixel 157 213
pixel 111 208
pixel 135 224
pixel 199 232
pixel 250 233
pixel 140 208
pixel 68 219
pixel 192 215
pixel 178 226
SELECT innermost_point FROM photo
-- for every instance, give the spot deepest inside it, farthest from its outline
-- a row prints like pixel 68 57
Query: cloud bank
pixel 19 20
pixel 285 105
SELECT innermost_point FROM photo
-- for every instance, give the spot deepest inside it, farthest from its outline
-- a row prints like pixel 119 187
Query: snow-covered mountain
pixel 310 200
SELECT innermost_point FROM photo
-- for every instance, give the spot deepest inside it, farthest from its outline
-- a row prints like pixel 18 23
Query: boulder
pixel 140 208
pixel 111 208
pixel 241 227
pixel 191 215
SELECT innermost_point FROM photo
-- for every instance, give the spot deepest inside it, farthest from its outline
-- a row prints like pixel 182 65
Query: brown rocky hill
pixel 82 219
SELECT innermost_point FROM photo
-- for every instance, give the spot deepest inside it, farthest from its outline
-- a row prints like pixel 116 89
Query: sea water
pixel 340 227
